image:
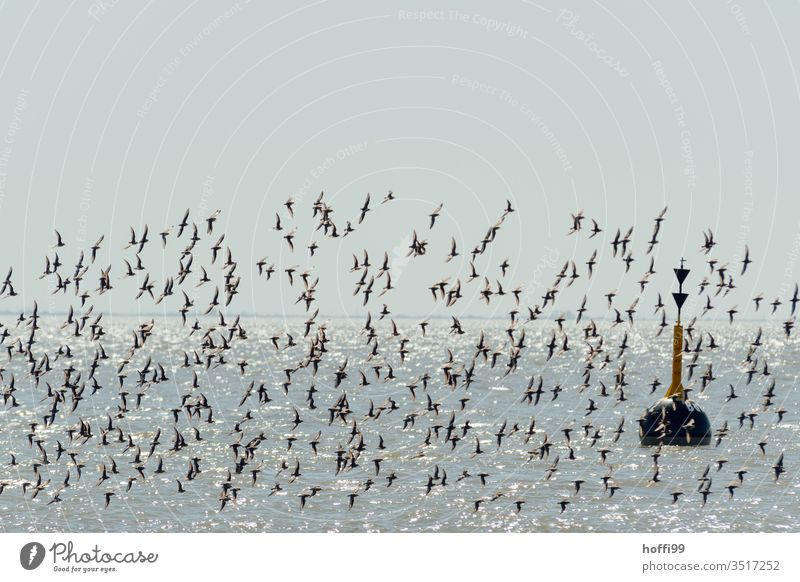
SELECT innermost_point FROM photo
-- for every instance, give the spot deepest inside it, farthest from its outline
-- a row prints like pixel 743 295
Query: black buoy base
pixel 672 421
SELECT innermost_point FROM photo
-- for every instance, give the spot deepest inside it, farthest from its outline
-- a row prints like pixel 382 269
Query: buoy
pixel 675 420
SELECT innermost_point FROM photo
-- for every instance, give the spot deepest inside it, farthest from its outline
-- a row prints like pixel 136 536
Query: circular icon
pixel 31 555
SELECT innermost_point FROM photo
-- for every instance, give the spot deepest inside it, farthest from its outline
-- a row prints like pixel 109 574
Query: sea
pixel 407 423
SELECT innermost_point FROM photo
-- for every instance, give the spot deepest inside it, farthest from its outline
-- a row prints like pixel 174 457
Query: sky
pixel 120 114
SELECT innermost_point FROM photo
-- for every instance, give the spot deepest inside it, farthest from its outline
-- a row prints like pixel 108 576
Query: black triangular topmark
pixel 680 298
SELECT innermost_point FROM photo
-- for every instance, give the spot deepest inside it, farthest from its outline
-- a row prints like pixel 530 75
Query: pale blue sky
pixel 118 114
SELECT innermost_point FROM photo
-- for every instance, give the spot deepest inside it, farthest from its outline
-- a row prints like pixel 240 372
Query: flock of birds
pixel 60 430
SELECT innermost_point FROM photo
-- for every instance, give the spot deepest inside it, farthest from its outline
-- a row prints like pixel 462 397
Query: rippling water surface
pixel 758 504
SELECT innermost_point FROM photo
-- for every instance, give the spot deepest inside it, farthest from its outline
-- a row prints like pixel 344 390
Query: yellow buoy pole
pixel 675 387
